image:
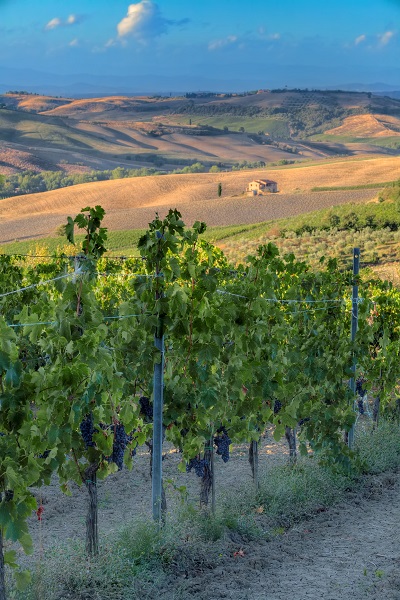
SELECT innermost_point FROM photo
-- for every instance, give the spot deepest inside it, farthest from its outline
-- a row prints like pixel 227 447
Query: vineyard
pixel 101 356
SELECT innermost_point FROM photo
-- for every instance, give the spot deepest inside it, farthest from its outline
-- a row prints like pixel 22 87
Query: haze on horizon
pixel 210 45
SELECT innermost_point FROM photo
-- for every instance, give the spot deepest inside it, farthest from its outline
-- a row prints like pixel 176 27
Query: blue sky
pixel 297 42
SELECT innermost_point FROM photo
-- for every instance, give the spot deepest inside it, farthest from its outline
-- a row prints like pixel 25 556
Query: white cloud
pixel 111 42
pixel 360 39
pixel 384 38
pixel 217 44
pixel 74 43
pixel 57 22
pixel 143 21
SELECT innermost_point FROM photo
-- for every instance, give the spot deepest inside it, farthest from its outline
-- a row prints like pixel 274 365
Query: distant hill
pixel 394 94
pixel 42 132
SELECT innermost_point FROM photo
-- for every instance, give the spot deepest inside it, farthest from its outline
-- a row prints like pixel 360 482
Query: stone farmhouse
pixel 260 187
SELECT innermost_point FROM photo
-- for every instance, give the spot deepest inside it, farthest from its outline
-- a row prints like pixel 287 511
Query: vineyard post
pixel 255 465
pixel 212 460
pixel 2 571
pixel 354 327
pixel 158 389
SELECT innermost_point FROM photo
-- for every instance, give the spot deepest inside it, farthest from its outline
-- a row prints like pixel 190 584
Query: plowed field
pixel 131 203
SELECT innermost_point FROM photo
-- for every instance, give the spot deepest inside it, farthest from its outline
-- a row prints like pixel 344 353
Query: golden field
pixel 363 126
pixel 132 203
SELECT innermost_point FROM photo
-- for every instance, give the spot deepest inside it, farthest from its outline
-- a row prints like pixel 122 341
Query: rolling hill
pixel 104 133
pixel 131 203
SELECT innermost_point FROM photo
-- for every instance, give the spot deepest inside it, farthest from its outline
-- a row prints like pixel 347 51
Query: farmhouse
pixel 259 187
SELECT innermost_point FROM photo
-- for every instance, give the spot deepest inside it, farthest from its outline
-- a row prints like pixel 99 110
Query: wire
pixel 107 318
pixel 34 285
pixel 282 301
pixel 73 256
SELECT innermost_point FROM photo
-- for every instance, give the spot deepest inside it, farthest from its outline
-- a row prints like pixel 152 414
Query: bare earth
pixel 132 203
pixel 351 550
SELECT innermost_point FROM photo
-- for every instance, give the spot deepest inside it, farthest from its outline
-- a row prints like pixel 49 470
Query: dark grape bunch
pixel 121 440
pixel 145 407
pixel 223 442
pixel 360 383
pixel 198 464
pixel 360 405
pixel 302 421
pixel 45 454
pixel 87 430
pixel 8 495
pixel 277 406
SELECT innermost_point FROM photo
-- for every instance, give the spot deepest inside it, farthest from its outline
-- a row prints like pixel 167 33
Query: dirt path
pixel 352 551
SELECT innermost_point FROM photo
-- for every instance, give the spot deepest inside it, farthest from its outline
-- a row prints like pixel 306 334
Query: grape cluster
pixel 223 442
pixel 360 404
pixel 198 464
pixel 8 495
pixel 360 389
pixel 87 430
pixel 302 421
pixel 121 440
pixel 45 454
pixel 277 406
pixel 145 407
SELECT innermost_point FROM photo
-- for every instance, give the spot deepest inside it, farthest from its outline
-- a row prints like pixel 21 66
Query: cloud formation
pixel 360 39
pixel 217 44
pixel 384 38
pixel 57 22
pixel 145 21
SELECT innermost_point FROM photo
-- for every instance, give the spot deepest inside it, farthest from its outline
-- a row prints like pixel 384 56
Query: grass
pixel 384 142
pixel 275 127
pixel 365 186
pixel 138 560
pixel 307 236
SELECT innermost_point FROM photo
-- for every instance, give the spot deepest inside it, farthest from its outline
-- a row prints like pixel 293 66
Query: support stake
pixel 354 327
pixel 158 393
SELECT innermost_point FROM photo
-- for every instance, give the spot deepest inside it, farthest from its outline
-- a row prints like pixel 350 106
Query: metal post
pixel 354 327
pixel 255 465
pixel 212 460
pixel 158 392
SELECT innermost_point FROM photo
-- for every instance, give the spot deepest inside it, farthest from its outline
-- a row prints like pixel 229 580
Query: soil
pixel 350 550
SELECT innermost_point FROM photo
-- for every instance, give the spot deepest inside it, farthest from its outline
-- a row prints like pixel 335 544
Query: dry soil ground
pixel 351 550
pixel 131 203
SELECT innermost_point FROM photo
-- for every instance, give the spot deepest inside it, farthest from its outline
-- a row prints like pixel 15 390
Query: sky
pixel 253 44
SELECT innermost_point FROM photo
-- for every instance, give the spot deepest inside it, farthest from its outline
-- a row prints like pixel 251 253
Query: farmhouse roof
pixel 264 181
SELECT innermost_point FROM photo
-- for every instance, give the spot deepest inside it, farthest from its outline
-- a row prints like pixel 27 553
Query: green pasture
pixel 383 142
pixel 275 127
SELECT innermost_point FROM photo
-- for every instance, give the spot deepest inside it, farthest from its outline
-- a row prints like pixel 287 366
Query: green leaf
pixel 26 543
pixel 22 579
pixel 10 558
pixel 279 432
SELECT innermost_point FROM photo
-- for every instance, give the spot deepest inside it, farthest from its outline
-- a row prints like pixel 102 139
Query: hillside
pixel 216 129
pixel 131 203
pixel 368 126
pixel 53 143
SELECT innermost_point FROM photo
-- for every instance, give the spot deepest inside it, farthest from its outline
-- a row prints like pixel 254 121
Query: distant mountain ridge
pixel 89 85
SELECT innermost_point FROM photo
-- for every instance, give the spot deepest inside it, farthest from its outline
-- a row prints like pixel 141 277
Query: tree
pixel 219 190
pixel 334 220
